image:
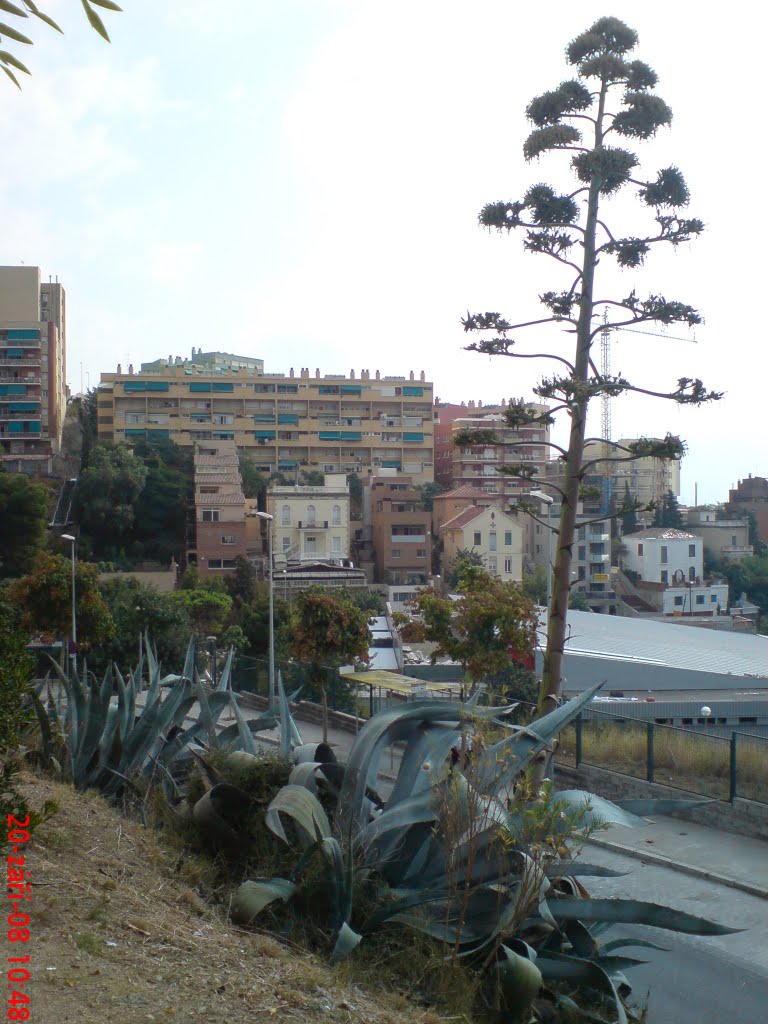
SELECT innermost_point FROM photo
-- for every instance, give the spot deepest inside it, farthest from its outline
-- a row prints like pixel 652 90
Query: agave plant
pixel 451 855
pixel 111 741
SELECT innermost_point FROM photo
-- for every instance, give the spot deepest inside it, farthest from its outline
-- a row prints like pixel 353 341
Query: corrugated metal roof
pixel 666 645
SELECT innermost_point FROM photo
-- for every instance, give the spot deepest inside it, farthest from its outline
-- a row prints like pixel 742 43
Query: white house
pixel 311 523
pixel 665 555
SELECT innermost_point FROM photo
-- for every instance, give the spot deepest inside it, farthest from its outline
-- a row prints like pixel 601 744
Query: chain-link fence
pixel 704 763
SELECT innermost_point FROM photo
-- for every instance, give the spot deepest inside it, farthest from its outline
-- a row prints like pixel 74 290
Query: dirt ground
pixel 118 937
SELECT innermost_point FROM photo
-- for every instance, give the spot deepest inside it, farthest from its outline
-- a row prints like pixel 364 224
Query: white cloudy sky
pixel 300 180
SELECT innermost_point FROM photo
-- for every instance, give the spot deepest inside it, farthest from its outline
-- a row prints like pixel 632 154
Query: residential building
pixel 293 577
pixel 723 538
pixel 333 424
pixel 33 389
pixel 481 465
pixel 220 533
pixel 311 523
pixel 750 495
pixel 591 551
pixel 401 531
pixel 489 532
pixel 665 555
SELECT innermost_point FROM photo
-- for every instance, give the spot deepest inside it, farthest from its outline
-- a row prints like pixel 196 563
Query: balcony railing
pixel 315 524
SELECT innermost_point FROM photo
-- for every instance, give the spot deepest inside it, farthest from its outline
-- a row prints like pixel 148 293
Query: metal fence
pixel 701 762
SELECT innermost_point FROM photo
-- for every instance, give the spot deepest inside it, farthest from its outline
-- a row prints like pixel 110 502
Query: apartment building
pixel 481 466
pixel 675 559
pixel 334 424
pixel 33 390
pixel 401 532
pixel 750 495
pixel 220 532
pixel 648 479
pixel 723 538
pixel 311 523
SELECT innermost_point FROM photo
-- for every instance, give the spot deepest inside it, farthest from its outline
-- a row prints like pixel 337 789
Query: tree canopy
pixel 610 99
pixel 488 630
pixel 23 514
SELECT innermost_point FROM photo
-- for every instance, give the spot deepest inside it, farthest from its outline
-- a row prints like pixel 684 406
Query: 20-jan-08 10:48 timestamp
pixel 19 887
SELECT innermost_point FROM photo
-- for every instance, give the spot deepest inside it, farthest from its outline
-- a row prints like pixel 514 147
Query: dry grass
pixel 119 935
pixel 687 760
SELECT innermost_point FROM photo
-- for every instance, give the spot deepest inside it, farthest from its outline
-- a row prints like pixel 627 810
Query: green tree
pixel 355 496
pixel 106 496
pixel 611 98
pixel 254 620
pixel 464 560
pixel 577 601
pixel 668 512
pixel 241 584
pixel 16 669
pixel 327 631
pixel 136 609
pixel 254 481
pixel 159 530
pixel 11 64
pixel 429 492
pixel 208 610
pixel 23 514
pixel 488 630
pixel 370 601
pixel 534 585
pixel 45 600
pixel 628 518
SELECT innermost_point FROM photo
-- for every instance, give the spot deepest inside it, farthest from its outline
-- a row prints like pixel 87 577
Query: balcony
pixel 408 538
pixel 316 524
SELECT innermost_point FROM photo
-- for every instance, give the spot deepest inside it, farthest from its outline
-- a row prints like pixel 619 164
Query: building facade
pixel 311 523
pixel 333 424
pixel 488 532
pixel 750 495
pixel 220 533
pixel 723 538
pixel 33 390
pixel 401 532
pixel 665 555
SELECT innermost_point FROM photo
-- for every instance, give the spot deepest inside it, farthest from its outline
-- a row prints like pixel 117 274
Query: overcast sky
pixel 299 180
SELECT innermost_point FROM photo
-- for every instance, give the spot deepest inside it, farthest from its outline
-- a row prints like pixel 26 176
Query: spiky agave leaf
pixel 253 896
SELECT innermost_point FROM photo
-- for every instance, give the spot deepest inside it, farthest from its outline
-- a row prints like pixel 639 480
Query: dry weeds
pixel 118 936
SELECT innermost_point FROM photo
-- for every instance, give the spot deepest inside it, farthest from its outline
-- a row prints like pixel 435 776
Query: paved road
pixel 702 980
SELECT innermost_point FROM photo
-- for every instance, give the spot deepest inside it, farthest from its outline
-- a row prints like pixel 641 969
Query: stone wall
pixel 744 817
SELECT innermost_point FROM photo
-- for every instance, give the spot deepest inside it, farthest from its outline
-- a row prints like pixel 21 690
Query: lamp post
pixel 270 526
pixel 73 541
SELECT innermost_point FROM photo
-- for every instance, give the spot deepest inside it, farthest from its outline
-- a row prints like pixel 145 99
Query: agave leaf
pixel 430 745
pixel 222 810
pixel 106 742
pixel 560 967
pixel 96 713
pixel 206 717
pixel 305 810
pixel 245 736
pixel 648 807
pixel 303 774
pixel 635 912
pixel 596 810
pixel 406 901
pixel 498 765
pixel 189 662
pixel 253 896
pixel 153 670
pixel 122 703
pixel 575 869
pixel 233 733
pixel 223 683
pixel 519 982
pixel 346 941
pixel 46 733
pixel 609 947
pixel 398 819
pixel 289 733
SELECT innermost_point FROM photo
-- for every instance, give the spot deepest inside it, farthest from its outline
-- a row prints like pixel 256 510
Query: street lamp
pixel 270 521
pixel 73 541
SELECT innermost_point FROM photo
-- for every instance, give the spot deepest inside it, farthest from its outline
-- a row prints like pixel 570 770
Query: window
pixel 692 573
pixel 664 576
pixel 491 565
pixel 508 538
pixel 679 600
pixel 310 515
pixel 664 554
pixel 336 545
pixel 582 552
pixel 285 515
pixel 286 543
pixel 215 563
pixel 691 550
pixel 210 515
pixel 507 565
pixel 492 542
pixel 421 552
pixel 395 553
pixel 478 540
pixel 228 538
pixel 639 549
pixel 733 540
pixel 713 598
pixel 700 599
pixel 336 519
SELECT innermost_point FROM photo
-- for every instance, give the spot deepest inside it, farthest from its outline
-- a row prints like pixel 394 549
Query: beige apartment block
pixel 723 538
pixel 33 390
pixel 311 523
pixel 333 424
pixel 491 533
pixel 648 479
pixel 481 466
pixel 401 531
pixel 220 509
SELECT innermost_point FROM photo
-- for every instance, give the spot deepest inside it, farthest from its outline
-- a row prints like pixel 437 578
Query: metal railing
pixel 701 762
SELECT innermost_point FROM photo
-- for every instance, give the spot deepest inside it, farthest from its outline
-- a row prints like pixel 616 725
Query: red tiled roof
pixel 460 520
pixel 465 491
